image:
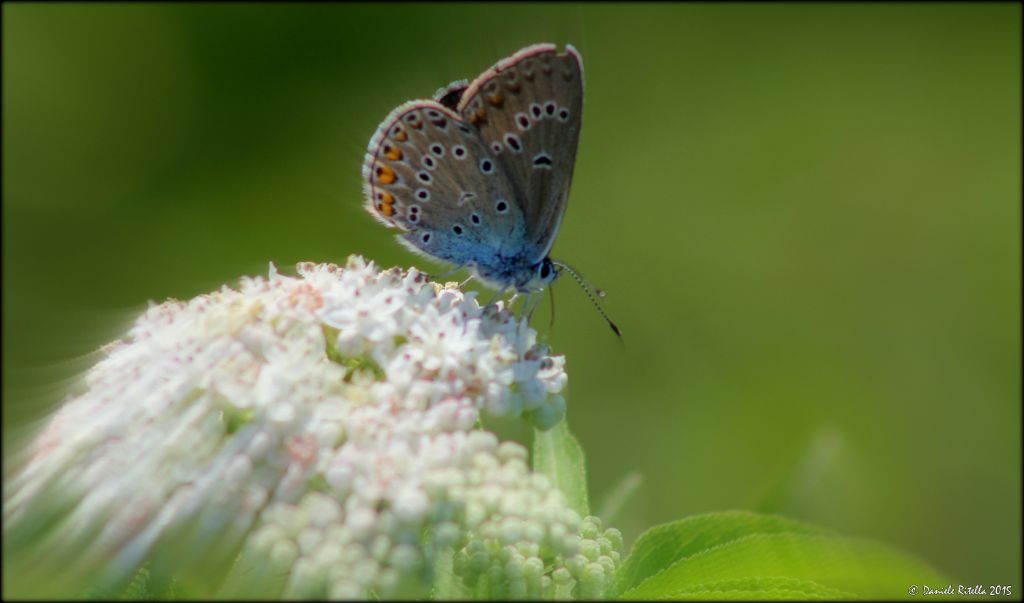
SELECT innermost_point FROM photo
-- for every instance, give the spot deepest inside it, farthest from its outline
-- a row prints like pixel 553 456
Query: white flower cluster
pixel 325 426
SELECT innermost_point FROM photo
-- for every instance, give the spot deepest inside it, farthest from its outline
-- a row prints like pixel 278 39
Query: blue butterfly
pixel 479 176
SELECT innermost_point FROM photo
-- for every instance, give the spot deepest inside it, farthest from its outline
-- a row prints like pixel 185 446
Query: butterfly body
pixel 480 175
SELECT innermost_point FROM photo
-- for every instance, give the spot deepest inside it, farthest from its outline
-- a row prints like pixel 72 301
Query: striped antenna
pixel 592 293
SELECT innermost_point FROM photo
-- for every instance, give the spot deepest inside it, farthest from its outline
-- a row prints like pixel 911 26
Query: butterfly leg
pixel 496 296
pixel 524 314
pixel 524 311
pixel 536 304
pixel 438 277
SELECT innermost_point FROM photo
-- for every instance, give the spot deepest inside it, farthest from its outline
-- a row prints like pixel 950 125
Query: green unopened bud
pixel 479 562
pixel 570 544
pixel 283 554
pixel 614 537
pixel 590 549
pixel 345 589
pixel 508 451
pixel 561 576
pixel 591 527
pixel 514 567
pixel 575 565
pixel 533 569
pixel 592 581
pixel 517 589
pixel 528 548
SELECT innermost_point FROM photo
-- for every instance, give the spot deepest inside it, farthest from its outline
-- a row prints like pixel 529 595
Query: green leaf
pixel 663 545
pixel 558 455
pixel 745 555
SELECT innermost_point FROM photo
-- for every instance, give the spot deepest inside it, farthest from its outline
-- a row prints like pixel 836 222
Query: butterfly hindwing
pixel 528 111
pixel 427 173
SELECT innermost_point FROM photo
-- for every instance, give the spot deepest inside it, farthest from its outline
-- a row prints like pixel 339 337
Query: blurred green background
pixel 807 218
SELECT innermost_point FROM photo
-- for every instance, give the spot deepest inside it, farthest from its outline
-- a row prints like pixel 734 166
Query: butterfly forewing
pixel 428 173
pixel 528 111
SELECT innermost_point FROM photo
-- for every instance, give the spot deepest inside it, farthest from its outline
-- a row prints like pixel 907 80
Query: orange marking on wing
pixel 393 153
pixel 401 136
pixel 479 116
pixel 387 203
pixel 385 175
pixel 496 99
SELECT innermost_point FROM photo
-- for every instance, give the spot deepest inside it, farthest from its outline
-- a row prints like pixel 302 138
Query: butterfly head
pixel 545 274
pixel 524 280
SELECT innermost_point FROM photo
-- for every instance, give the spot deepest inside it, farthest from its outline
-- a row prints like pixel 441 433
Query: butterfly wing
pixel 528 110
pixel 427 173
pixel 450 95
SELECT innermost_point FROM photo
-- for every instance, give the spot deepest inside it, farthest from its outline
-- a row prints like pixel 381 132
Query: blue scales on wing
pixel 427 173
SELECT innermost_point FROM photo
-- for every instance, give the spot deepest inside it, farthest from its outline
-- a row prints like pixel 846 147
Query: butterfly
pixel 479 176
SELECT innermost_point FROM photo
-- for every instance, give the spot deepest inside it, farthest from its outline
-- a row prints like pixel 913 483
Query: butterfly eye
pixel 501 207
pixel 545 271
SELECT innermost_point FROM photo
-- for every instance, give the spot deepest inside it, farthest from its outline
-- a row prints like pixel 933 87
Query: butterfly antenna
pixel 592 293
